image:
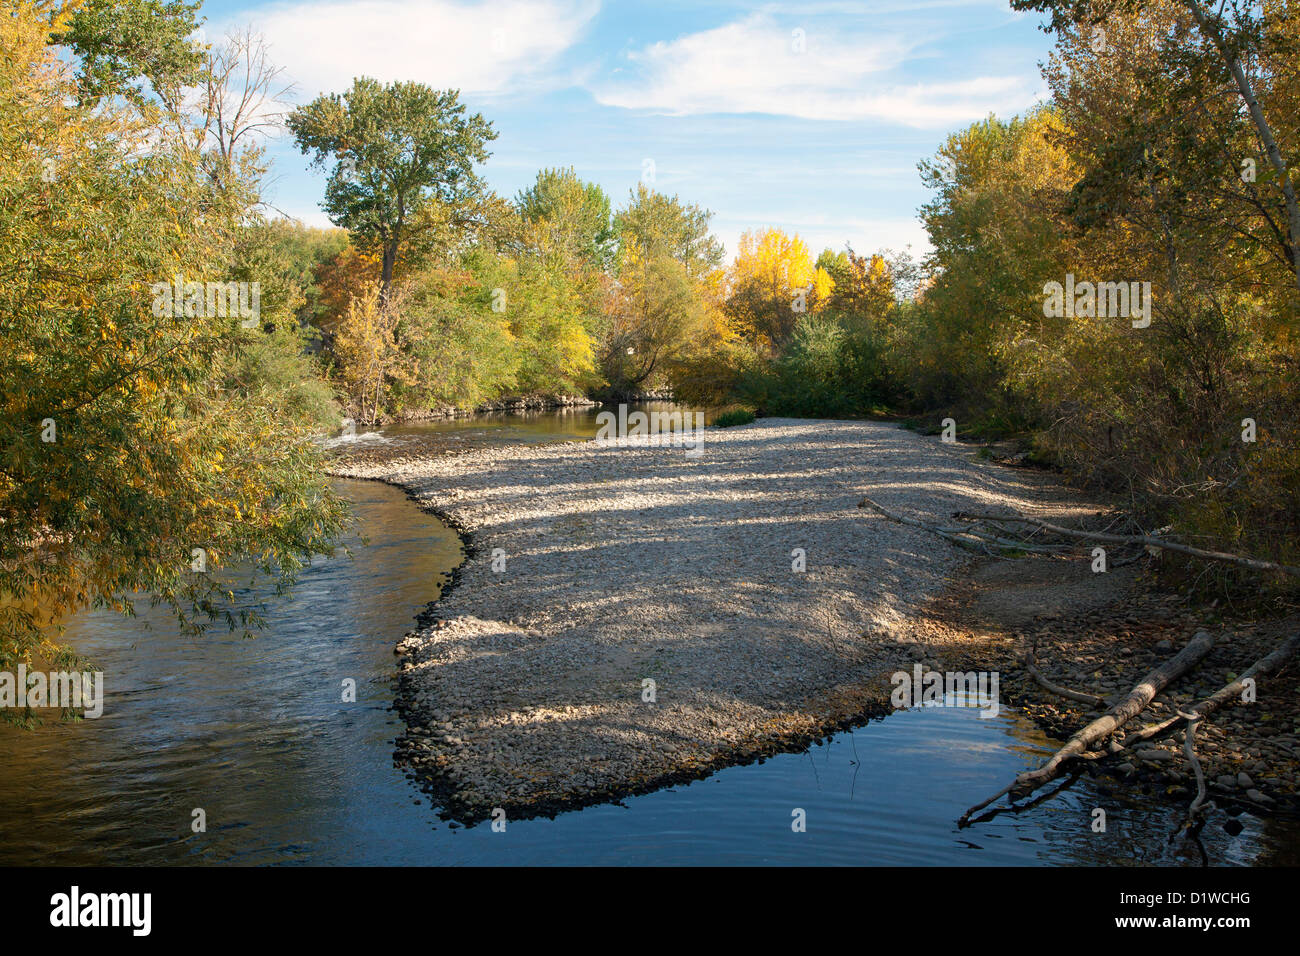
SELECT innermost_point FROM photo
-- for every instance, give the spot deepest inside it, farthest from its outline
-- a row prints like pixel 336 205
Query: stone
pixel 1156 756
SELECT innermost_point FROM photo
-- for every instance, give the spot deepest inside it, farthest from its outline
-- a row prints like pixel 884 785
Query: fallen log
pixel 1091 700
pixel 1233 690
pixel 958 536
pixel 1255 564
pixel 946 534
pixel 1086 739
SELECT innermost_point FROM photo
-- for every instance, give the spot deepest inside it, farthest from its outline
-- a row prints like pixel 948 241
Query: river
pixel 255 733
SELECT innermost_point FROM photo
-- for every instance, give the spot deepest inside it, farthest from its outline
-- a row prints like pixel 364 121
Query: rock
pixel 1258 797
pixel 1244 781
pixel 620 588
pixel 1156 756
pixel 1165 645
pixel 1227 782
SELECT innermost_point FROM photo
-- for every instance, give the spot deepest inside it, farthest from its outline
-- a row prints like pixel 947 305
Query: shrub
pixel 735 416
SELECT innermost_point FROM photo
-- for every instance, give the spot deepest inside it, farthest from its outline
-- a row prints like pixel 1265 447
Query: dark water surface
pixel 256 734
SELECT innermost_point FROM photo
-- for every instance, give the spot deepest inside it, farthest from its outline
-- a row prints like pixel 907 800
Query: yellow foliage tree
pixel 129 462
pixel 773 281
pixel 370 353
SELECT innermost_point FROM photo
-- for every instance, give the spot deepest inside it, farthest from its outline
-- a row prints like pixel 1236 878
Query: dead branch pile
pixel 992 534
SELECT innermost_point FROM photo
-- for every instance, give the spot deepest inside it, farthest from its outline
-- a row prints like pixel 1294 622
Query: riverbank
pixel 515 403
pixel 1099 634
pixel 594 571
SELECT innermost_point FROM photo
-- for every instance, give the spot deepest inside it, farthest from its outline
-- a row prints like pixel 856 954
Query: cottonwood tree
pixel 658 305
pixel 569 217
pixel 771 283
pixel 398 150
pixel 663 225
pixel 133 48
pixel 863 286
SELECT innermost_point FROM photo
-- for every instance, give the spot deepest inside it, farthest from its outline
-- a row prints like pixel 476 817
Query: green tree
pixel 134 47
pixel 658 308
pixel 1205 52
pixel 569 217
pixel 398 150
pixel 134 458
pixel 663 225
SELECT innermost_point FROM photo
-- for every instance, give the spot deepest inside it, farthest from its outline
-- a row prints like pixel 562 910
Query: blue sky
pixel 806 116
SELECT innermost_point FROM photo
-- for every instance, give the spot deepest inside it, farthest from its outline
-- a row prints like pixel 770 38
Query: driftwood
pixel 1193 820
pixel 1091 700
pixel 958 535
pixel 1192 717
pixel 1086 739
pixel 1231 691
pixel 1085 744
pixel 1255 564
pixel 1031 668
pixel 976 539
pixel 949 534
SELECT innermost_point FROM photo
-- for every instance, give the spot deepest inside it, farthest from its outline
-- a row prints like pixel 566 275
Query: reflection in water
pixel 459 434
pixel 255 733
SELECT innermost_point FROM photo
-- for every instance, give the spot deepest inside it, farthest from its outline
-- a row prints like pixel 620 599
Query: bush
pixel 833 367
pixel 735 416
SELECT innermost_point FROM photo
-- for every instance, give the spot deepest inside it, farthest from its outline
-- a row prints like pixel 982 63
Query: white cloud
pixel 307 217
pixel 756 66
pixel 487 47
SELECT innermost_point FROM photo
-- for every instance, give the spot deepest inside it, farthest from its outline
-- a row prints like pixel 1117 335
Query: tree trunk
pixel 1231 691
pixel 1261 126
pixel 386 276
pixel 1101 728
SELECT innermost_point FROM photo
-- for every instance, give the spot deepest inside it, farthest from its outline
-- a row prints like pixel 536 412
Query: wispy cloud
pixel 756 65
pixel 483 48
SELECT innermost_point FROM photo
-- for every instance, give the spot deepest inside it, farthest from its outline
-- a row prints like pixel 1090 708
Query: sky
pixel 810 117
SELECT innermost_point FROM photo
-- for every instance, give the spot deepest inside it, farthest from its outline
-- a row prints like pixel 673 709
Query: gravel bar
pixel 595 569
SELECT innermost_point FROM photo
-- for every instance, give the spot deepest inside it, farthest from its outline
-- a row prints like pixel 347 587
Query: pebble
pixel 635 562
pixel 1156 756
pixel 528 686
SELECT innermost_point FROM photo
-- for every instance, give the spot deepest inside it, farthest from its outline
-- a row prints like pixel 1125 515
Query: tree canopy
pixel 398 149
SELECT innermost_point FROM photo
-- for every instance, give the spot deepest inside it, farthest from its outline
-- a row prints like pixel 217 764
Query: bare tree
pixel 245 97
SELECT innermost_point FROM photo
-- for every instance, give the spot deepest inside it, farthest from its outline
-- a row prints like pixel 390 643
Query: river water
pixel 256 735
